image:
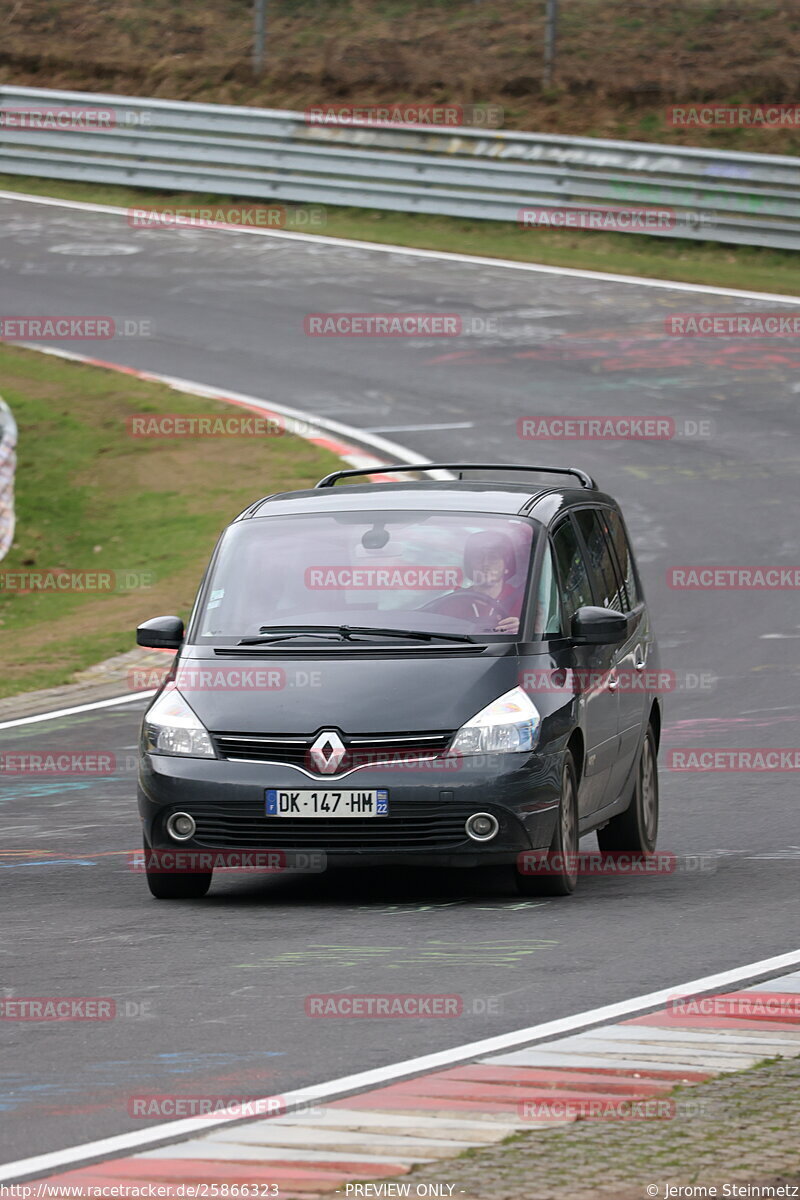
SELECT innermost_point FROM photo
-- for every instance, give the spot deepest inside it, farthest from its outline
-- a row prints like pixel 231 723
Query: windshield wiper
pixel 282 633
pixel 425 635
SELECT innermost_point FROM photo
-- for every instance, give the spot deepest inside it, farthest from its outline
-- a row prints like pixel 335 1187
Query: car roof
pixel 487 496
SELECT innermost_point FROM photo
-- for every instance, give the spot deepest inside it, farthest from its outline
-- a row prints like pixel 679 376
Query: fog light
pixel 181 827
pixel 482 827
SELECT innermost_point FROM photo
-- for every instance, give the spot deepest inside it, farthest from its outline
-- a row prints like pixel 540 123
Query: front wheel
pixel 636 829
pixel 170 885
pixel 558 873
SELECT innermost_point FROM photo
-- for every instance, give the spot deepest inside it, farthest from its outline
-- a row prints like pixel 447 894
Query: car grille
pixel 412 825
pixel 361 749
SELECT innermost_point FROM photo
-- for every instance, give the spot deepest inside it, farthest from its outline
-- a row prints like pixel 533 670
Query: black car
pixel 435 672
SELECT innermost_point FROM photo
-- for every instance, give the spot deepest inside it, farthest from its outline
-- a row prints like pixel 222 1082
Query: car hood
pixel 418 691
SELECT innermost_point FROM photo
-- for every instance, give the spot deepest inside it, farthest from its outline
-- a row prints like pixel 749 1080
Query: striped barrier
pixel 8 463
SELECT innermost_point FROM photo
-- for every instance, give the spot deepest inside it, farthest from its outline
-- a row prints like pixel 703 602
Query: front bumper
pixel 428 807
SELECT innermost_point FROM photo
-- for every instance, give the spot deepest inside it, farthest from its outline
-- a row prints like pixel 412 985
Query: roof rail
pixel 330 480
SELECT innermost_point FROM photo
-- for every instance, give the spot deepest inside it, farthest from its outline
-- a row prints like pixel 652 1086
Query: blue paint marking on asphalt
pixel 186 1060
pixel 50 862
pixel 56 788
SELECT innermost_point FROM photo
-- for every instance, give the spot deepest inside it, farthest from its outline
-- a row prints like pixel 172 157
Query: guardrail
pixel 271 154
pixel 8 463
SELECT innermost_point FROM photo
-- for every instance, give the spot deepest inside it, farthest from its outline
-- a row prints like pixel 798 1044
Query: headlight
pixel 170 727
pixel 510 723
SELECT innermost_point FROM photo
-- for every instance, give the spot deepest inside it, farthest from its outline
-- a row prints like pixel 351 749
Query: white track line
pixel 410 251
pixel 347 1084
pixel 79 708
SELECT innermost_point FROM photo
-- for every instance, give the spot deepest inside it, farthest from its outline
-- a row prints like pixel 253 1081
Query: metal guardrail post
pixel 259 35
pixel 550 34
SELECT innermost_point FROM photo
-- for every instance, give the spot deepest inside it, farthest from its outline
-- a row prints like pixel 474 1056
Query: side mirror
pixel 161 633
pixel 592 626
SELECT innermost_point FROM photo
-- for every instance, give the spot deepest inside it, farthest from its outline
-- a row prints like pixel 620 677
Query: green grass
pixel 91 498
pixel 752 268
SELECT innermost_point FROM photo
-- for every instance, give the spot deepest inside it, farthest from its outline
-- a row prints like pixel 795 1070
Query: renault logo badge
pixel 327 752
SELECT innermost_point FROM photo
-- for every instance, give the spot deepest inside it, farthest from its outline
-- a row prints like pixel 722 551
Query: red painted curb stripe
pixel 201 1170
pixel 509 1093
pixel 552 1078
pixel 674 1021
pixel 668 1021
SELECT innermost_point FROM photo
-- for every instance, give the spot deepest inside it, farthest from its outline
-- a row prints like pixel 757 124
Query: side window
pixel 622 549
pixel 575 589
pixel 606 585
pixel 547 617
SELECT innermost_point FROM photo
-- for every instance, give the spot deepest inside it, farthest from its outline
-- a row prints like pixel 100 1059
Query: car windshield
pixel 457 573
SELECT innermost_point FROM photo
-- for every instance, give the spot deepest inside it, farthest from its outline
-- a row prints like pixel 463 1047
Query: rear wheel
pixel 166 885
pixel 561 861
pixel 636 829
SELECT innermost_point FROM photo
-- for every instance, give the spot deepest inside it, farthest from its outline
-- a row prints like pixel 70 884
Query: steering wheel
pixel 464 604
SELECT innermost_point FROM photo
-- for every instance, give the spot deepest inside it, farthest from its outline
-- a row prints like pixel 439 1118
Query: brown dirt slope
pixel 621 62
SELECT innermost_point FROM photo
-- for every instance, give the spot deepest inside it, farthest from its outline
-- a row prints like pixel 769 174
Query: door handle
pixel 640 665
pixel 613 683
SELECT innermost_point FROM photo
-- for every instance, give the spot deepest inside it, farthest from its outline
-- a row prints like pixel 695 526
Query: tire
pixel 186 886
pixel 564 846
pixel 635 830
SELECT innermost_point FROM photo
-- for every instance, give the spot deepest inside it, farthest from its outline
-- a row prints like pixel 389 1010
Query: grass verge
pixel 751 268
pixel 91 498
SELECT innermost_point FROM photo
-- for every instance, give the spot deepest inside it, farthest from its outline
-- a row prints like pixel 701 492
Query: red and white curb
pixel 381 1134
pixel 328 434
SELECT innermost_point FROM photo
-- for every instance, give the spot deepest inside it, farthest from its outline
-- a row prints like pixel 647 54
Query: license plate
pixel 306 802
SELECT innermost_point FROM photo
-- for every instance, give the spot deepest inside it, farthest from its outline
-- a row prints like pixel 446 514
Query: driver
pixel 490 562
